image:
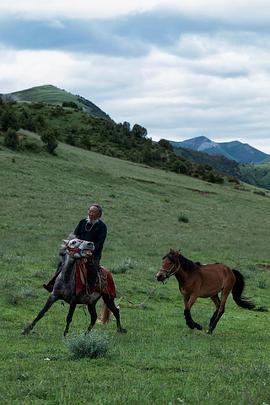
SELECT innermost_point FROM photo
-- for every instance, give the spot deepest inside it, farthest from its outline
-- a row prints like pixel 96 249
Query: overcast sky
pixel 180 68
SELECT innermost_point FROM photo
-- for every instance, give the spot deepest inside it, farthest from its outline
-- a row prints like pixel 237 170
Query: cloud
pixel 180 69
pixel 224 10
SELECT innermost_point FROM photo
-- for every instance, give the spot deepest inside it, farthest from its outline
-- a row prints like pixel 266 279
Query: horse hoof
pixel 209 332
pixel 121 330
pixel 198 326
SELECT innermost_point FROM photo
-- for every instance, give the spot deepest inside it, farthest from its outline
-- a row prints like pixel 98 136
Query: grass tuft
pixel 183 218
pixel 92 345
pixel 122 267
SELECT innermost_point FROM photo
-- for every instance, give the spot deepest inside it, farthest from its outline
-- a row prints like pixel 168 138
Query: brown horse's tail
pixel 105 314
pixel 237 291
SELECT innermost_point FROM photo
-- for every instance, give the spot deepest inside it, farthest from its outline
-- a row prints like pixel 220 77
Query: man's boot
pixel 50 284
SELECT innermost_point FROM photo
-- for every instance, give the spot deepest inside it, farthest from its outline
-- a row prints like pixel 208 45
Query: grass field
pixel 159 360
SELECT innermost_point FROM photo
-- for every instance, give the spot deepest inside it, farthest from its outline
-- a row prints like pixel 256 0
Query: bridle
pixel 169 273
pixel 77 252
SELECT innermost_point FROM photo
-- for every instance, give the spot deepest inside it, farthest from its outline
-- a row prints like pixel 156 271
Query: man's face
pixel 93 212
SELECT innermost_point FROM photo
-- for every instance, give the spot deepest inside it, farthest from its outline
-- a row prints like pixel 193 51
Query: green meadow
pixel 159 360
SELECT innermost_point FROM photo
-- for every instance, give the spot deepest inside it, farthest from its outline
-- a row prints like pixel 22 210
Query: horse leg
pixel 187 314
pixel 220 311
pixel 93 313
pixel 111 305
pixel 51 300
pixel 216 301
pixel 72 308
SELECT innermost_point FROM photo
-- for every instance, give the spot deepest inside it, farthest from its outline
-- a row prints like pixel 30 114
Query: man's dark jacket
pixel 92 233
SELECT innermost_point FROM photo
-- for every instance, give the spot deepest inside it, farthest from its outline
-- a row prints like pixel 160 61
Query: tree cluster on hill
pixel 68 124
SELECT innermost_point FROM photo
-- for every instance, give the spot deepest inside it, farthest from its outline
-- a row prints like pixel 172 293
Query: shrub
pixel 122 267
pixel 11 139
pixel 92 345
pixel 183 218
pixel 48 137
pixel 21 295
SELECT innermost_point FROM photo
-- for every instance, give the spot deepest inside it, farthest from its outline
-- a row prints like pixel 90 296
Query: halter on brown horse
pixel 204 281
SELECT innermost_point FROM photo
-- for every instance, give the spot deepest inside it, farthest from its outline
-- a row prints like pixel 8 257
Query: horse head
pixel 77 248
pixel 170 265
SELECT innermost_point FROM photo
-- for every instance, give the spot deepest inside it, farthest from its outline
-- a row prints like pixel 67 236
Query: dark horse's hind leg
pixel 112 307
pixel 51 300
pixel 187 314
pixel 72 308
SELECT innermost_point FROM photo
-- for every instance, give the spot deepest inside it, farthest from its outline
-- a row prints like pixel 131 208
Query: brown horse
pixel 205 281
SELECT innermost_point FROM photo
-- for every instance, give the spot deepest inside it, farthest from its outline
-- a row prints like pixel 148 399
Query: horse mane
pixel 187 264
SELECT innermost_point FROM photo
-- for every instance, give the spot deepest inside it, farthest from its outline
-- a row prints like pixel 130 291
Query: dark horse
pixel 64 288
pixel 204 281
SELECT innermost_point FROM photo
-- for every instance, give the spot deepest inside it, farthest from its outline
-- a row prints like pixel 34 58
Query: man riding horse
pixel 91 229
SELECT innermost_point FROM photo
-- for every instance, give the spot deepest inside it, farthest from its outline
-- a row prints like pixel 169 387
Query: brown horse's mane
pixel 186 264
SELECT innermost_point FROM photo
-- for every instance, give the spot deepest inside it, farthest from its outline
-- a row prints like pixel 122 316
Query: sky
pixel 180 68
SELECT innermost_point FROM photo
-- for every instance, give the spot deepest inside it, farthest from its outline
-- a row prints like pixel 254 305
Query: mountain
pixel 50 94
pixel 235 150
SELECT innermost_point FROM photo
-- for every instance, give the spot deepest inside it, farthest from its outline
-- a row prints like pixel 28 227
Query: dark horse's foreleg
pixel 72 308
pixel 51 300
pixel 187 314
pixel 109 301
pixel 93 313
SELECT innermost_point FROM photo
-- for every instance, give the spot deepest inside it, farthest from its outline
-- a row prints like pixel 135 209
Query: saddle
pixel 104 282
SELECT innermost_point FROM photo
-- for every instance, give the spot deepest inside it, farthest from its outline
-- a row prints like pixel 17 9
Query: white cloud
pixel 85 9
pixel 226 10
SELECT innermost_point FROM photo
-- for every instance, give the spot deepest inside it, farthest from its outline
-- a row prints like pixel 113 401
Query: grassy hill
pixel 159 361
pixel 258 175
pixel 50 94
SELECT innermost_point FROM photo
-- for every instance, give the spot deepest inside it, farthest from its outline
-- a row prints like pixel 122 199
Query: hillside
pixel 258 175
pixel 220 163
pixel 43 197
pixel 50 94
pixel 55 113
pixel 68 123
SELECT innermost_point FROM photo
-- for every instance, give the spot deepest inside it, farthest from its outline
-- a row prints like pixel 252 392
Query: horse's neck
pixel 181 277
pixel 67 269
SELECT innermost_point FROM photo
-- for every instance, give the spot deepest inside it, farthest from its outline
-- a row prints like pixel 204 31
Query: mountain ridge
pixel 233 150
pixel 51 94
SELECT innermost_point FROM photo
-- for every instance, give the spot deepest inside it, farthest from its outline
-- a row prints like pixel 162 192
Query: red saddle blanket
pixel 104 283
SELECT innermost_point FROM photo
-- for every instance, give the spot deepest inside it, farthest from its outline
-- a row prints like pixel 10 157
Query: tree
pixel 11 139
pixel 48 137
pixel 138 131
pixel 165 144
pixel 9 120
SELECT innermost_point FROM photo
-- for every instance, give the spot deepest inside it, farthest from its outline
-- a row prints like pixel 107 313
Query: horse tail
pixel 105 314
pixel 237 291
